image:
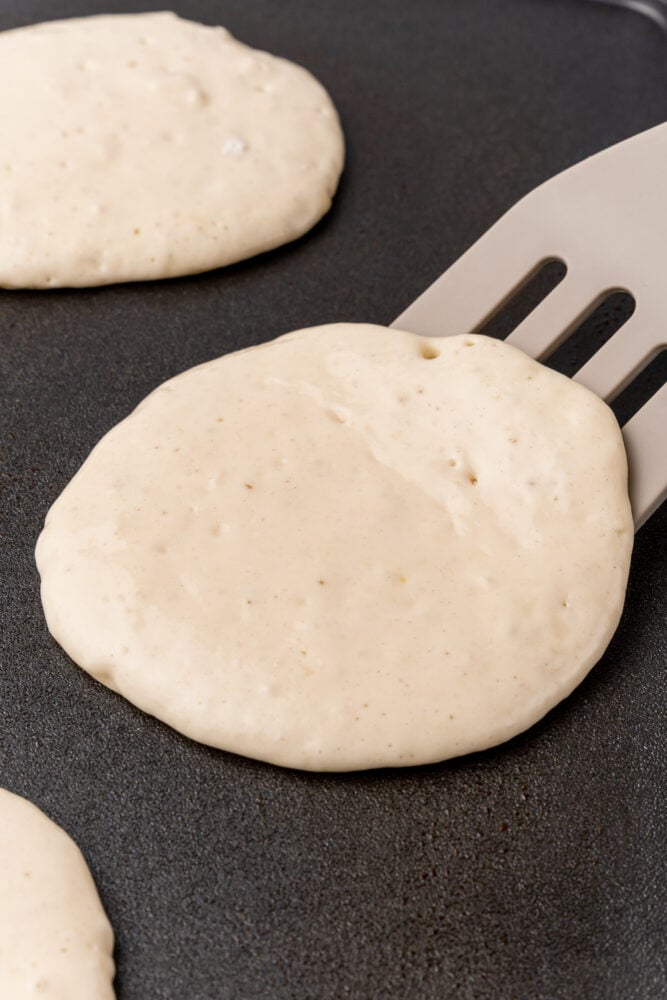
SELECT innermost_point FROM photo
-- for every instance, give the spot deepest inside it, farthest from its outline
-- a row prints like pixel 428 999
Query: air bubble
pixel 429 352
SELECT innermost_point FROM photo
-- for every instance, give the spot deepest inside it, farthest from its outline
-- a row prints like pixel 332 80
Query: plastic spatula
pixel 607 219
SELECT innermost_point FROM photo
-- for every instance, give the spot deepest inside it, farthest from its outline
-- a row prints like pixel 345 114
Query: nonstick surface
pixel 535 870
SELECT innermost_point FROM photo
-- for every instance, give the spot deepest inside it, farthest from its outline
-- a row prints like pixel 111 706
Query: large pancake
pixel 347 548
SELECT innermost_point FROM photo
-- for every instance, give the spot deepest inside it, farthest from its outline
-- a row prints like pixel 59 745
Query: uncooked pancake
pixel 348 548
pixel 55 940
pixel 146 146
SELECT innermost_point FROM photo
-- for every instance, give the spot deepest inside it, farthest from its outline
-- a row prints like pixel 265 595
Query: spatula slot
pixel 641 389
pixel 526 297
pixel 607 317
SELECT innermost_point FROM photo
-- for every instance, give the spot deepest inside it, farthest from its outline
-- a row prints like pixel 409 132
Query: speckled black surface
pixel 533 871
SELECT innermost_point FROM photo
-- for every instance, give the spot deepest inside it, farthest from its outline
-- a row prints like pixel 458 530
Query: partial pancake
pixel 146 146
pixel 55 939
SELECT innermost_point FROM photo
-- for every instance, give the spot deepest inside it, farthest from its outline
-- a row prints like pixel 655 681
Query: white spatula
pixel 607 219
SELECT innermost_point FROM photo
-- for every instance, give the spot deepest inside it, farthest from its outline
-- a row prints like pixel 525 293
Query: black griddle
pixel 535 871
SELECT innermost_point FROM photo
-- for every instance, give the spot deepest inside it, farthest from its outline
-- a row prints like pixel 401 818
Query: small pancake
pixel 146 146
pixel 347 548
pixel 55 940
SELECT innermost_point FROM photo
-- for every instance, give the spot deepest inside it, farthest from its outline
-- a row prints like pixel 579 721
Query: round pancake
pixel 348 548
pixel 146 146
pixel 55 940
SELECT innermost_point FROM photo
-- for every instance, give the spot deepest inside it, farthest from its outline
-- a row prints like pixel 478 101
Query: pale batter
pixel 55 940
pixel 347 548
pixel 146 146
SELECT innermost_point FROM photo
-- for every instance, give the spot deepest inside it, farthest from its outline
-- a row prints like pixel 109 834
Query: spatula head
pixel 606 219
